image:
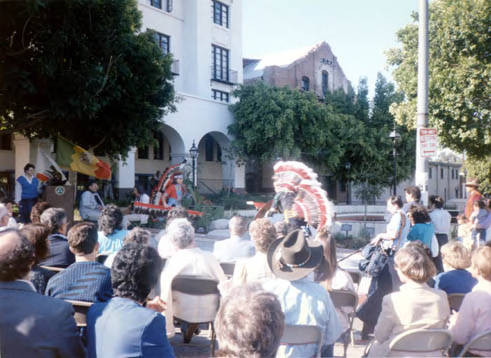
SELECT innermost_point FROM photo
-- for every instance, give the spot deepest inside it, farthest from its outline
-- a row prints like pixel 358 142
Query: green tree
pixel 366 143
pixel 272 122
pixel 82 69
pixel 480 169
pixel 459 69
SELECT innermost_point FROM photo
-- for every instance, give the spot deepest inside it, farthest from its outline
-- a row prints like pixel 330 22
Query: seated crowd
pixel 281 278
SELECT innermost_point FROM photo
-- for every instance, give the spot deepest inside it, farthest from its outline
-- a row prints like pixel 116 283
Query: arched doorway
pixel 215 167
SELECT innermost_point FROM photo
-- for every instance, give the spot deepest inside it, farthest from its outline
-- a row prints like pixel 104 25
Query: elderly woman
pixel 256 268
pixel 37 234
pixel 59 253
pixel 188 260
pixel 455 279
pixel 415 305
pixel 111 233
pixel 249 323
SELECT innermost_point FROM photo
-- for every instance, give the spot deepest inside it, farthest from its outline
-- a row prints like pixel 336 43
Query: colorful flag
pixel 76 158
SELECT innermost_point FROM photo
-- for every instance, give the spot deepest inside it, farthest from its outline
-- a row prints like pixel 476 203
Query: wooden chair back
pixel 81 308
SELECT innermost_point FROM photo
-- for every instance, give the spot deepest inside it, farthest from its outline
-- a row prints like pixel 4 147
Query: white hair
pixel 180 233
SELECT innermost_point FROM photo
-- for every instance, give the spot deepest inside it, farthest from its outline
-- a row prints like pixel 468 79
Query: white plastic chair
pixel 481 342
pixel 302 334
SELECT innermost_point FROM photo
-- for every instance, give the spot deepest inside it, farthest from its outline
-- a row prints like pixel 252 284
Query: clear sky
pixel 358 31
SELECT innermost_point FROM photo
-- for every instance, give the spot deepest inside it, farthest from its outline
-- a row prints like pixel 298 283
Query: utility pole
pixel 421 175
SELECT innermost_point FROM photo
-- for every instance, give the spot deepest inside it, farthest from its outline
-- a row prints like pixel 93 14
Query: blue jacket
pixel 33 325
pixel 59 252
pixel 82 281
pixel 121 327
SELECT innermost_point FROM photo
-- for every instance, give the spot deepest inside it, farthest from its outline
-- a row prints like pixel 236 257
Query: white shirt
pixel 144 198
pixel 441 221
pixel 230 250
pixel 394 226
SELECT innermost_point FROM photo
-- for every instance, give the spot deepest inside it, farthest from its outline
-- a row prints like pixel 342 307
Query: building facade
pixel 314 68
pixel 204 38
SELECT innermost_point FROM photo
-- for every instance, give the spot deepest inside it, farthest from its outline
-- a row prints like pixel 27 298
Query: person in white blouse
pixel 441 222
pixel 188 260
pixel 256 268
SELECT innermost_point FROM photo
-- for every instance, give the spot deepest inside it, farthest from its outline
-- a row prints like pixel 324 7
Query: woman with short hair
pixel 187 260
pixel 37 234
pixel 255 268
pixel 249 323
pixel 415 305
pixel 111 233
pixel 455 279
pixel 422 228
pixel 60 255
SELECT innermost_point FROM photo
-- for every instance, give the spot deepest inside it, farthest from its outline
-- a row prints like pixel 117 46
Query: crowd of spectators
pixel 280 278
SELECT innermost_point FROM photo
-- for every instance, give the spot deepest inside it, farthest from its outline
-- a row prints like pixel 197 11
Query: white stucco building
pixel 205 40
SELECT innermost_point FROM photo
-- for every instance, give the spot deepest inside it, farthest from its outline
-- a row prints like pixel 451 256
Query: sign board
pixel 346 227
pixel 428 141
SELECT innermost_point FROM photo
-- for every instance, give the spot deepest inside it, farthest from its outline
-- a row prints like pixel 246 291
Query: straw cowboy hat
pixel 291 258
pixel 472 182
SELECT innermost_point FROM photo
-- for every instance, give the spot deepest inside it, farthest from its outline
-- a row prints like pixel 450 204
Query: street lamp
pixel 394 136
pixel 193 152
pixel 347 166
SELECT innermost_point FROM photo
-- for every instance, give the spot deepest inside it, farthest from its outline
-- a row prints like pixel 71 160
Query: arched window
pixel 325 82
pixel 305 83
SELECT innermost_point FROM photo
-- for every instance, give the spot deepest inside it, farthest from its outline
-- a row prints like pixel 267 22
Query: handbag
pixel 375 259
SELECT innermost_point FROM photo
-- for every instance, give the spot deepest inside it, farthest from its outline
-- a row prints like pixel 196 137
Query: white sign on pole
pixel 428 142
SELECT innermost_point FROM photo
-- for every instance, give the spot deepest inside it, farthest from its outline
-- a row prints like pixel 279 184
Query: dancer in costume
pixel 299 196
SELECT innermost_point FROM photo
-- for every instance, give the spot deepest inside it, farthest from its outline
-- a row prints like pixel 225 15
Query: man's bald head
pixel 16 255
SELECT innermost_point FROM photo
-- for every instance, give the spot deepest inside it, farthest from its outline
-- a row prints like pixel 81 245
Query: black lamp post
pixel 394 136
pixel 193 152
pixel 347 166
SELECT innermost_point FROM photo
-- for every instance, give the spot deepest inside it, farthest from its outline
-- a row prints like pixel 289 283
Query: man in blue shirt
pixel 303 301
pixel 26 192
pixel 123 326
pixel 85 279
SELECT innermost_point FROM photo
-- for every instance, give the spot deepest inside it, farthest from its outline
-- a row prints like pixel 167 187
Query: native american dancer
pixel 299 196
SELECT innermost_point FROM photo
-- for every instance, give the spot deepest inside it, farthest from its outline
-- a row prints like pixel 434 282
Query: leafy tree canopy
pixel 459 69
pixel 81 69
pixel 272 122
pixel 365 136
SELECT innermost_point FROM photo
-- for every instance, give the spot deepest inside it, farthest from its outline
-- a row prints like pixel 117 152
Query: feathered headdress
pixel 291 173
pixel 311 202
